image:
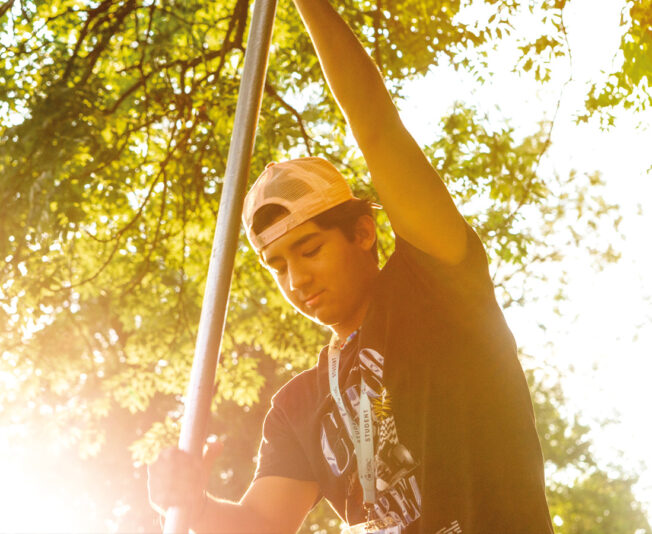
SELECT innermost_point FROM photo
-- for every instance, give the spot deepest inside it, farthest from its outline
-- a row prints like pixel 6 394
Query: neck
pixel 343 334
pixel 344 329
pixel 354 322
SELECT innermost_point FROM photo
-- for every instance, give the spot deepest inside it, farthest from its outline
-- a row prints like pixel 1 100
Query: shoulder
pixel 297 391
pixel 292 404
pixel 417 267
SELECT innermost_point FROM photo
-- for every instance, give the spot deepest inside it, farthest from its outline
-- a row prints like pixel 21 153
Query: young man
pixel 417 417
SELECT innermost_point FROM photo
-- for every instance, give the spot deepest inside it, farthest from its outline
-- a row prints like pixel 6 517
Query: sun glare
pixel 24 510
pixel 33 501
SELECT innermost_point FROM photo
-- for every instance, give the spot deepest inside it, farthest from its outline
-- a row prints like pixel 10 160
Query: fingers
pixel 178 479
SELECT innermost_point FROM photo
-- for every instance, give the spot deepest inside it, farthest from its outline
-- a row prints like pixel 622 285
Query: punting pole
pixel 216 294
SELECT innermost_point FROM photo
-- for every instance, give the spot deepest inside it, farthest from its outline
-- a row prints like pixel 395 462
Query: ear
pixel 365 232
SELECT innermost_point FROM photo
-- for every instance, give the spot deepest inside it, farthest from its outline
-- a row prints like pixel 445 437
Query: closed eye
pixel 312 252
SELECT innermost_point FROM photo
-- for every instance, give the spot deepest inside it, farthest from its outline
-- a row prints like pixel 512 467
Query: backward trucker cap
pixel 305 187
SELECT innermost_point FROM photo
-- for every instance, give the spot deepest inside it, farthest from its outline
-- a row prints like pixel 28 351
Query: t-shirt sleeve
pixel 280 452
pixel 470 276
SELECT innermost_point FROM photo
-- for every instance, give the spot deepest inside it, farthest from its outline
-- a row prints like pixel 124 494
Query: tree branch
pixel 92 14
pixel 6 7
pixel 239 19
pixel 94 56
pixel 143 79
pixel 306 137
pixel 548 141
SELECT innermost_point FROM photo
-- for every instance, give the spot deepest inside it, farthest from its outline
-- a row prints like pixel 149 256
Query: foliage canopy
pixel 116 120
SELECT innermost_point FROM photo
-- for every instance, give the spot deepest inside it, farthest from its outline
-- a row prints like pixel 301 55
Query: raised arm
pixel 418 204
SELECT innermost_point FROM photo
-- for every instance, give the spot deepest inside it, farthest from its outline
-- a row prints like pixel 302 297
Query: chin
pixel 312 315
pixel 322 317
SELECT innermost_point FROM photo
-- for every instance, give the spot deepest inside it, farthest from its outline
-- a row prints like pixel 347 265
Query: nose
pixel 298 276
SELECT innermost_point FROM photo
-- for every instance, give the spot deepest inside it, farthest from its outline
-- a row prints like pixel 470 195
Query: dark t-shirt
pixel 455 440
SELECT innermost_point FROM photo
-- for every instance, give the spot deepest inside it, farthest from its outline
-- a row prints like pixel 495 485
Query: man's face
pixel 322 274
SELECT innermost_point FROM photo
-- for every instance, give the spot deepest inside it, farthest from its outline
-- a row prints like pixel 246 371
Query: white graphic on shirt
pixel 454 528
pixel 398 497
pixel 337 454
pixel 336 444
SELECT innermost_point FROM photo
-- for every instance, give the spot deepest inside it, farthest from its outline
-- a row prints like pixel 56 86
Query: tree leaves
pixel 629 86
pixel 116 121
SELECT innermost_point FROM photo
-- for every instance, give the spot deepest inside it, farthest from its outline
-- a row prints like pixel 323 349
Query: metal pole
pixel 216 294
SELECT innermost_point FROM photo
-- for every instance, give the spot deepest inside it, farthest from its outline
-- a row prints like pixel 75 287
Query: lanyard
pixel 361 434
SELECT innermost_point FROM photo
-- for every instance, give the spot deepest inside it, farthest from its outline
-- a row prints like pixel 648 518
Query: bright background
pixel 601 339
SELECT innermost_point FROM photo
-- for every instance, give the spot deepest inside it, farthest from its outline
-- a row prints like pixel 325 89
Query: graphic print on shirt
pixel 398 497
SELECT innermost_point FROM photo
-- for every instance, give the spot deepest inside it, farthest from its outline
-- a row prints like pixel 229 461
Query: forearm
pixel 416 200
pixel 354 79
pixel 271 505
pixel 219 516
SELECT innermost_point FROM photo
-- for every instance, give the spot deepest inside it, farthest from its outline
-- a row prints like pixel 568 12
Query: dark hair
pixel 343 216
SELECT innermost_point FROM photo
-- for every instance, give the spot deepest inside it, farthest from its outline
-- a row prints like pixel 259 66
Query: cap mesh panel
pixel 289 189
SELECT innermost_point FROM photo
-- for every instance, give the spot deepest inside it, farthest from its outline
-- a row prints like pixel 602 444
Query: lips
pixel 313 300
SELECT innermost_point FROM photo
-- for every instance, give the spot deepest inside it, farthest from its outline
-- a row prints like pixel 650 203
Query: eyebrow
pixel 293 246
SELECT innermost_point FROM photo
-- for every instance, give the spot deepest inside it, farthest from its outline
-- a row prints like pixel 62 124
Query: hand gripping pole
pixel 225 241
